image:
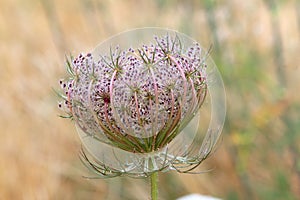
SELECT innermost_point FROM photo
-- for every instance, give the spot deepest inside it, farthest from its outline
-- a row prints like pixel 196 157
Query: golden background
pixel 256 45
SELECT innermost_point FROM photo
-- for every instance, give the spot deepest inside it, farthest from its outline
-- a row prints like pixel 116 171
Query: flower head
pixel 131 103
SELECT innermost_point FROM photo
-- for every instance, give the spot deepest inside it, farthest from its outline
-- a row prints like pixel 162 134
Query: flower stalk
pixel 154 185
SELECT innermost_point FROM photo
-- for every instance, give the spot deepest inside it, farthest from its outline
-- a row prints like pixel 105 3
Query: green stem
pixel 154 189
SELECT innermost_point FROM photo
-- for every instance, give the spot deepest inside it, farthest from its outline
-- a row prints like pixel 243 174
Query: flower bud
pixel 137 99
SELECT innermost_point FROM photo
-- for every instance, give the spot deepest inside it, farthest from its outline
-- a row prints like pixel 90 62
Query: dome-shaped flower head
pixel 132 103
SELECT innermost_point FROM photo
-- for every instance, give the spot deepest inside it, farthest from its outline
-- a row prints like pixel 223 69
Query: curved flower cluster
pixel 137 99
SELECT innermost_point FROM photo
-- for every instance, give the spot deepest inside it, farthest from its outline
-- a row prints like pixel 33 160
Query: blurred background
pixel 256 45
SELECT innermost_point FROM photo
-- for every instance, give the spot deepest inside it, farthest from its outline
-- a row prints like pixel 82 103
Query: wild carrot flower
pixel 132 104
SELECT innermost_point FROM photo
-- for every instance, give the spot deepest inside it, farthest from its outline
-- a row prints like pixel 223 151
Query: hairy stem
pixel 154 188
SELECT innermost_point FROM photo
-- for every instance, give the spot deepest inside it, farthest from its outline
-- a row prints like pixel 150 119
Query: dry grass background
pixel 38 150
